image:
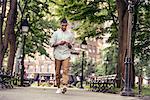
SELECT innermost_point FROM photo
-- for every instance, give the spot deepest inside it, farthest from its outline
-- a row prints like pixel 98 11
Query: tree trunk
pixel 2 16
pixel 123 29
pixel 12 37
pixel 123 40
pixel 1 43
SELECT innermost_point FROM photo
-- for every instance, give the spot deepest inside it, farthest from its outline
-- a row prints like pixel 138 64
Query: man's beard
pixel 63 29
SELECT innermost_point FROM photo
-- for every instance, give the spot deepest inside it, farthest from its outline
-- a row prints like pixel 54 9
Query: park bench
pixel 6 80
pixel 27 82
pixel 103 83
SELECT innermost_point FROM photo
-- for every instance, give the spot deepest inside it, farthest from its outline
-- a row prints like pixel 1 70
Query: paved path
pixel 30 93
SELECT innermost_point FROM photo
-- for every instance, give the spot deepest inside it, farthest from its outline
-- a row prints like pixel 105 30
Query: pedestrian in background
pixel 62 41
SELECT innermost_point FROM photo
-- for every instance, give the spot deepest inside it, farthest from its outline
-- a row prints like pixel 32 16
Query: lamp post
pixel 24 30
pixel 83 47
pixel 140 82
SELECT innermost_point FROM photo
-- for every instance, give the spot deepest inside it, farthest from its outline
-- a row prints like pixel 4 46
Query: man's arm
pixel 71 43
pixel 54 45
pixel 57 44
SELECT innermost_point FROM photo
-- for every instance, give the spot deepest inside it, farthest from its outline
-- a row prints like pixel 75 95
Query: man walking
pixel 62 41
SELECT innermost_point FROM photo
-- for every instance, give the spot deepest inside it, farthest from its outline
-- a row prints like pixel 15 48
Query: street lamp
pixel 83 47
pixel 140 82
pixel 24 26
pixel 24 30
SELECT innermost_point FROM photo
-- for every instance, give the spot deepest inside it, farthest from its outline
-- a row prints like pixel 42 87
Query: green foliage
pixel 41 24
pixel 87 29
pixel 100 70
pixel 110 59
pixel 142 41
pixel 92 15
pixel 88 67
pixel 148 70
pixel 76 67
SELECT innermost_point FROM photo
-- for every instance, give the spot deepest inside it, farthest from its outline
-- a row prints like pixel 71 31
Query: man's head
pixel 64 24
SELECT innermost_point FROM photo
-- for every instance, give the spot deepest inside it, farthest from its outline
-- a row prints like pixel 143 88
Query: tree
pixel 123 30
pixel 3 46
pixel 8 38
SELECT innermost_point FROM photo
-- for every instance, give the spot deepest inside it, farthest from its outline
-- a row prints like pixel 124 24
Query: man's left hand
pixel 69 45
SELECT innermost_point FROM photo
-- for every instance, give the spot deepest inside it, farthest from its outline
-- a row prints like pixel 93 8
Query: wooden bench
pixel 103 83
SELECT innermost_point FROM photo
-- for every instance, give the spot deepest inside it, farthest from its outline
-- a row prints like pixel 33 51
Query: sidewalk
pixel 33 93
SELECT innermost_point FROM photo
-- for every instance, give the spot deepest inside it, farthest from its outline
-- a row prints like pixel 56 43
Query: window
pixel 49 68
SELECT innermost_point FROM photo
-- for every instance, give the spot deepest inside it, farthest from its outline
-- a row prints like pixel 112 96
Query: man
pixel 62 41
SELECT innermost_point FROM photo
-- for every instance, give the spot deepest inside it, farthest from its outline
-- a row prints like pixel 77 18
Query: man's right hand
pixel 59 43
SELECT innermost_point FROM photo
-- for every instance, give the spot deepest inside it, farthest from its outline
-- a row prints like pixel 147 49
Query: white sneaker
pixel 64 89
pixel 58 90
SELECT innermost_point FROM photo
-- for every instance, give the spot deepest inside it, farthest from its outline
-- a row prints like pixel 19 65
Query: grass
pixel 42 84
pixel 145 90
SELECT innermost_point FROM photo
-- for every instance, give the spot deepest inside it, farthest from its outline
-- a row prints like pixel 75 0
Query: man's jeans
pixel 65 67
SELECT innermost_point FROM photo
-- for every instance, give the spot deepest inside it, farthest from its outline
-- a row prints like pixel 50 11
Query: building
pixel 93 49
pixel 40 64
